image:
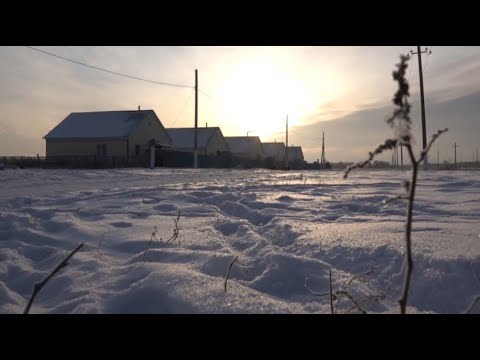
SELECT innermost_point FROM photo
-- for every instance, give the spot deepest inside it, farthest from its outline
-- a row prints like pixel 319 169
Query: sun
pixel 257 95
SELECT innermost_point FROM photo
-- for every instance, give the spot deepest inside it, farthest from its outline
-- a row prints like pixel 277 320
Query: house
pixel 210 140
pixel 274 151
pixel 104 134
pixel 247 147
pixel 295 155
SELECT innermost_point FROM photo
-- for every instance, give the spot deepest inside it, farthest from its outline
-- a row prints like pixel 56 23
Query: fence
pixel 163 158
pixel 23 161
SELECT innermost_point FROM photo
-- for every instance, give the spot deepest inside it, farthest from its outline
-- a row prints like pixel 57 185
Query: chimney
pixel 138 107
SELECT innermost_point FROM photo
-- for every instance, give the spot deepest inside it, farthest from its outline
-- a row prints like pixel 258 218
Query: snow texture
pixel 285 227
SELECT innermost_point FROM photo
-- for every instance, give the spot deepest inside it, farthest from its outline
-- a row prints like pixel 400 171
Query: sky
pixel 345 92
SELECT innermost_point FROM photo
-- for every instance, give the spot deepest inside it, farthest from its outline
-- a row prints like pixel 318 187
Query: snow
pixel 286 228
pixel 101 124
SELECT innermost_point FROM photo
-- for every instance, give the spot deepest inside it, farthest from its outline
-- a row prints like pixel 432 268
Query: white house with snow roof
pixel 210 140
pixel 106 133
pixel 248 147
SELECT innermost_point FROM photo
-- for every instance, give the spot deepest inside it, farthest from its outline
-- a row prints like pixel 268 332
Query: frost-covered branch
pixel 435 136
pixel 387 145
pixel 38 286
pixel 408 232
pixel 401 123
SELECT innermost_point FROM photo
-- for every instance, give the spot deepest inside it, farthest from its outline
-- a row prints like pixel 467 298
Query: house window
pixel 137 150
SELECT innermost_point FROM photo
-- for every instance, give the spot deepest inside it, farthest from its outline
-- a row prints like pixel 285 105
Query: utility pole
pixel 323 151
pixel 195 149
pixel 286 146
pixel 422 97
pixel 477 156
pixel 401 155
pixel 438 158
pixel 455 148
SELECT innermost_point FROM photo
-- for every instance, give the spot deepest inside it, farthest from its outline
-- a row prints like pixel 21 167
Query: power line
pixel 426 62
pixel 109 71
pixel 211 98
pixel 183 108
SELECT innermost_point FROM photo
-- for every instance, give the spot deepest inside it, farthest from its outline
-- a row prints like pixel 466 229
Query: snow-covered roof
pixel 295 153
pixel 184 137
pixel 274 149
pixel 99 124
pixel 244 144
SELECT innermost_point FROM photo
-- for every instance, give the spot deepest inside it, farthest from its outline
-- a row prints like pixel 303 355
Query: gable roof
pixel 244 144
pixel 274 149
pixel 99 124
pixel 184 137
pixel 295 153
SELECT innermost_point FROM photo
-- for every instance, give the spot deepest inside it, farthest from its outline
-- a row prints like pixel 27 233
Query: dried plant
pixel 477 298
pixel 38 286
pixel 228 273
pixel 343 292
pixel 401 123
pixel 176 231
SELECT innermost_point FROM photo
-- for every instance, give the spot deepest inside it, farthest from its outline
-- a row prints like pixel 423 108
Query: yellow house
pixel 104 134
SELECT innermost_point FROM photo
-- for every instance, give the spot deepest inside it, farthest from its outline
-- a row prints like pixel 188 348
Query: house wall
pixel 280 156
pixel 216 143
pixel 150 128
pixel 85 147
pixel 255 153
pixel 258 151
pixel 295 154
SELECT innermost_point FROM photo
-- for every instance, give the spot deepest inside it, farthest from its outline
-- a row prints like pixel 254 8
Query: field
pixel 288 229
